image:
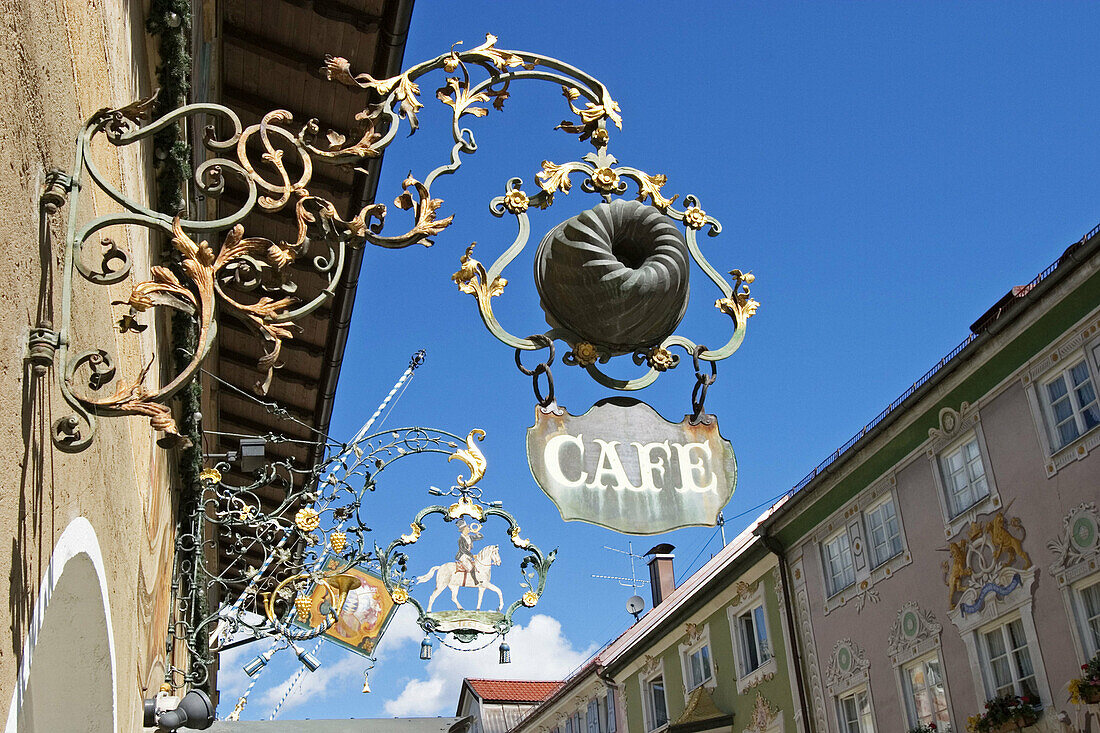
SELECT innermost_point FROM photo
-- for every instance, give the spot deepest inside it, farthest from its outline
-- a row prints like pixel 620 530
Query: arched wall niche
pixel 67 677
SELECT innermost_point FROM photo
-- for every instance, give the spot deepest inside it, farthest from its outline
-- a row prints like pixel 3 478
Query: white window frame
pixel 830 588
pixel 851 518
pixel 906 685
pixel 959 447
pixel 687 650
pixel 644 682
pixel 875 560
pixel 1088 642
pixel 838 707
pixel 767 669
pixel 1062 372
pixel 967 428
pixel 1081 344
pixel 1031 644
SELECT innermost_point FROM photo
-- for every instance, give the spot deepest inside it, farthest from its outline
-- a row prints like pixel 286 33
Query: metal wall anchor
pixel 56 191
pixel 42 344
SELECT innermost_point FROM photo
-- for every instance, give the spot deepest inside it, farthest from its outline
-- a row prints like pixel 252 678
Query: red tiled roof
pixel 512 690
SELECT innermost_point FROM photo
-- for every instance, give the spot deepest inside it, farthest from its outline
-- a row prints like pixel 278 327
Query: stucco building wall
pixel 1025 487
pixel 61 61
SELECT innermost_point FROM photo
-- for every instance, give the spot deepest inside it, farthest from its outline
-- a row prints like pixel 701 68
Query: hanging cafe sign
pixel 623 466
pixel 614 281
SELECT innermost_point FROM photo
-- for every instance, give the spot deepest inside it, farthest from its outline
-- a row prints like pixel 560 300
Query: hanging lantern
pixel 426 648
pixel 505 653
pixel 366 681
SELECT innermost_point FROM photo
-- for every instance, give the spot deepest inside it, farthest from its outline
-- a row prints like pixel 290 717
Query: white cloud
pixel 539 652
pixel 313 684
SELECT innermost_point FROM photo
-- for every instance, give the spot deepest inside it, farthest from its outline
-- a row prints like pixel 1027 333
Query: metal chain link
pixel 702 383
pixel 540 369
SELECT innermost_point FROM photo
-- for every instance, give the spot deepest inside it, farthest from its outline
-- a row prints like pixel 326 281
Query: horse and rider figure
pixel 469 570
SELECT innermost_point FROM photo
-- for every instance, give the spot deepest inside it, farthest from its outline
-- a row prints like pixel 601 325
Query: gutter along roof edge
pixel 392 35
pixel 807 489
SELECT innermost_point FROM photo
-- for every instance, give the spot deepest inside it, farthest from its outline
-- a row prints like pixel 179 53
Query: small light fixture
pixel 311 662
pixel 426 648
pixel 169 713
pixel 253 668
pixel 505 653
pixel 173 20
pixel 366 681
pixel 253 454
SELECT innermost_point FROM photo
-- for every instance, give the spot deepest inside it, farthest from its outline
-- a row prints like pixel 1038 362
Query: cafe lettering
pixel 623 466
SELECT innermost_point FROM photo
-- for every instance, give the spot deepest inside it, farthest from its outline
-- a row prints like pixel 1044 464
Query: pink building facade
pixel 951 552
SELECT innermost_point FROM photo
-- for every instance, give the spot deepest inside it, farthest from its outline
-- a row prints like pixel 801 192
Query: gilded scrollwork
pixel 275 160
pixel 471 278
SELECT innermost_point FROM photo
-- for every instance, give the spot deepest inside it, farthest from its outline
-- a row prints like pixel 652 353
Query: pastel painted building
pixel 711 655
pixel 949 552
pixel 494 706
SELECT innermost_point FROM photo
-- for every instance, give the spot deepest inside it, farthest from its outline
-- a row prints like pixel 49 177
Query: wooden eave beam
pixel 252 42
pixel 284 374
pixel 340 12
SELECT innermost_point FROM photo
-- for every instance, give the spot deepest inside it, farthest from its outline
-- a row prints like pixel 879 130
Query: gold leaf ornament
pixel 660 359
pixel 530 598
pixel 695 217
pixel 471 278
pixel 554 177
pixel 516 201
pixel 400 595
pixel 210 475
pixel 650 187
pixel 307 519
pixel 303 605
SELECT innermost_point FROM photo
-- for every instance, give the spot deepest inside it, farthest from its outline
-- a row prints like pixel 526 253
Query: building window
pixel 699 667
pixel 884 531
pixel 605 713
pixel 1089 598
pixel 1071 404
pixel 1008 664
pixel 752 637
pixel 926 695
pixel 569 725
pixel 964 476
pixel 656 711
pixel 696 661
pixel 854 712
pixel 839 571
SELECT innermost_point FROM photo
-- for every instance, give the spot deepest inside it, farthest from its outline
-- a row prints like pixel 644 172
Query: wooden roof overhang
pixel 256 57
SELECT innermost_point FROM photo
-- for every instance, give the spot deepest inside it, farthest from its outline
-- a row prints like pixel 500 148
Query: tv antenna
pixel 635 603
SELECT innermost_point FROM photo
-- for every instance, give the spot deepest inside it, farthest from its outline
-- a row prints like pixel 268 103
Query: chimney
pixel 661 579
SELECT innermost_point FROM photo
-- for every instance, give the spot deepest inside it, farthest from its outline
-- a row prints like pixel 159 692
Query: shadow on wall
pixel 66 681
pixel 27 543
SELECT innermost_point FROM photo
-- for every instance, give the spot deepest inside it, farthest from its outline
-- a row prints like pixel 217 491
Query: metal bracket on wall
pixel 253 277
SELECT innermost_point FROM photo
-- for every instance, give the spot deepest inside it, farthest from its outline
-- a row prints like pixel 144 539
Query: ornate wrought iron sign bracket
pixel 251 277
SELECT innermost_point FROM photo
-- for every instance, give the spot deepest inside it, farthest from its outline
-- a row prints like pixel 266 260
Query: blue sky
pixel 886 170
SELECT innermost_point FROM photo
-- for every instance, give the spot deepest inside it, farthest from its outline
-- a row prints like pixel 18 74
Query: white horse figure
pixel 451 576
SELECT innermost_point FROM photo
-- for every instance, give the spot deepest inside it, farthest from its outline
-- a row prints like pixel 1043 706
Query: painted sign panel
pixel 623 466
pixel 364 616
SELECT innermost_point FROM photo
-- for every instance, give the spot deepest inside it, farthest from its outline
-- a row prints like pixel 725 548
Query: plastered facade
pixel 1038 492
pixel 60 61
